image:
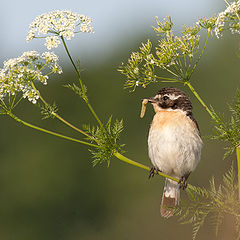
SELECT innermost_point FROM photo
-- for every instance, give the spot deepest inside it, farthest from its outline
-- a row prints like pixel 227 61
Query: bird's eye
pixel 165 98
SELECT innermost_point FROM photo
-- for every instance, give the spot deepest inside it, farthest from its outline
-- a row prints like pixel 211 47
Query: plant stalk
pixel 136 164
pixel 73 127
pixel 238 165
pixel 81 84
pixel 50 132
pixel 62 119
pixel 200 100
pixel 199 57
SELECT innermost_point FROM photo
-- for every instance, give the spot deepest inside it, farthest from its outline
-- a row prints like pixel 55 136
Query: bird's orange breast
pixel 165 118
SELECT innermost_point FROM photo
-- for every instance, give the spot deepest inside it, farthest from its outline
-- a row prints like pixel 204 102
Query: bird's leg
pixel 183 181
pixel 153 171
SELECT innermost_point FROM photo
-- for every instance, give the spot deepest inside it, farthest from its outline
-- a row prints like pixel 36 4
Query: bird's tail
pixel 170 198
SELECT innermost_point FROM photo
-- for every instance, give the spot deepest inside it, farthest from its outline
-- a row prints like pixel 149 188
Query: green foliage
pixel 48 110
pixel 229 130
pixel 213 203
pixel 77 90
pixel 107 138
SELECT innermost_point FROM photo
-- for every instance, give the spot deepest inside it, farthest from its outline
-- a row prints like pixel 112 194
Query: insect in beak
pixel 144 105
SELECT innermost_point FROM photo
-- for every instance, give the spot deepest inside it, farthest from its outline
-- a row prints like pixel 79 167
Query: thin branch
pixel 61 118
pixel 199 57
pixel 170 71
pixel 139 165
pixel 167 79
pixel 200 100
pixel 73 127
pixel 50 132
pixel 81 84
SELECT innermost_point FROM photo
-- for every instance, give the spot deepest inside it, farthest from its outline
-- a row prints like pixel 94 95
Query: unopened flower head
pixel 164 26
pixel 56 24
pixel 229 19
pixel 18 74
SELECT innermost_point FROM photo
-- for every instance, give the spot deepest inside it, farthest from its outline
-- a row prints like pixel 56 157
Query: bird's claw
pixel 182 183
pixel 153 171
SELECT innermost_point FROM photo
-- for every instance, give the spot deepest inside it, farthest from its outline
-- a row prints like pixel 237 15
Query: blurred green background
pixel 48 187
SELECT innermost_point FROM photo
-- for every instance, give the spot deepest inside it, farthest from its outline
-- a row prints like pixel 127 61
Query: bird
pixel 174 143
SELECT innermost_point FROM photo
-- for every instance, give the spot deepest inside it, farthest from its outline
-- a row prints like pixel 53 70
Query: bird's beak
pixel 152 100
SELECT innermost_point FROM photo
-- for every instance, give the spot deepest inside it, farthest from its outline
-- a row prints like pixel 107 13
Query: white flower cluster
pixel 229 19
pixel 58 24
pixel 18 74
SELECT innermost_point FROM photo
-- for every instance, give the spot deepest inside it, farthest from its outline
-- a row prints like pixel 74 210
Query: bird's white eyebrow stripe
pixel 173 97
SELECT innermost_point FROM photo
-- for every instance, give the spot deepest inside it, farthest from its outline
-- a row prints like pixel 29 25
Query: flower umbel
pixel 229 19
pixel 18 74
pixel 174 54
pixel 57 24
pixel 52 42
pixel 207 23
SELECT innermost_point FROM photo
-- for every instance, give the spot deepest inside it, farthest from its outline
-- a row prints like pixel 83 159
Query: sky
pixel 115 22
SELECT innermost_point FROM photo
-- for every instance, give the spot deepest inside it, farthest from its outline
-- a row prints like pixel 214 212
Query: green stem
pixel 136 164
pixel 13 101
pixel 38 93
pixel 19 100
pixel 185 63
pixel 167 79
pixel 170 71
pixel 199 57
pixel 199 99
pixel 81 84
pixel 238 163
pixel 49 132
pixel 70 57
pixel 60 118
pixel 72 126
pixel 179 63
pixel 189 67
pixel 3 104
pixel 176 81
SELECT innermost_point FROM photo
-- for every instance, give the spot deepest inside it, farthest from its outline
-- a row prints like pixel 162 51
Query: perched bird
pixel 174 143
